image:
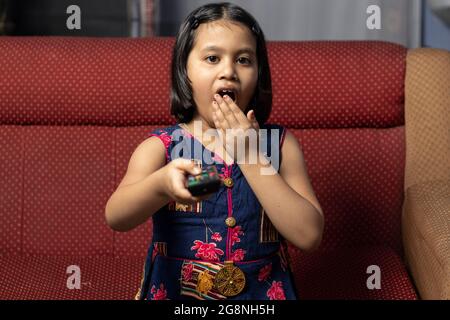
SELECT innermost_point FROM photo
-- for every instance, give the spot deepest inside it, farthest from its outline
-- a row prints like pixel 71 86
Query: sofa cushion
pixel 342 274
pixel 337 84
pixel 338 274
pixel 56 181
pixel 85 81
pixel 45 277
pixel 358 177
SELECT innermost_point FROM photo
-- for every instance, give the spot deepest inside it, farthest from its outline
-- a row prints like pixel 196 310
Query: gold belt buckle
pixel 230 280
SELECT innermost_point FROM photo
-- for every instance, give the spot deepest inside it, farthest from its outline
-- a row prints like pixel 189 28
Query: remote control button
pixel 228 182
pixel 230 222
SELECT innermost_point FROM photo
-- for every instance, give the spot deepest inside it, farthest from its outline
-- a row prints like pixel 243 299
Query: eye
pixel 244 60
pixel 212 59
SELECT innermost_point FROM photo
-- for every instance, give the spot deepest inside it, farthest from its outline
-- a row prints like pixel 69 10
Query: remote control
pixel 208 181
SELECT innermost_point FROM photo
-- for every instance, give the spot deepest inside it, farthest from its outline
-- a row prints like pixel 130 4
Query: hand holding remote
pixel 175 176
pixel 208 181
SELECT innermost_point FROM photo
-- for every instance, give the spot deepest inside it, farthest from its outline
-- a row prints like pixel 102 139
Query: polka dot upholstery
pixel 74 109
pixel 343 274
pixel 45 277
pixel 85 81
pixel 326 84
pixel 10 189
pixel 357 175
pixel 62 169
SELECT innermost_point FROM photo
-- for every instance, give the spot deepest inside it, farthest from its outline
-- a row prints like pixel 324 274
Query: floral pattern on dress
pixel 276 291
pixel 264 272
pixel 187 271
pixel 159 294
pixel 235 233
pixel 206 251
pixel 216 237
pixel 238 255
pixel 211 241
pixel 166 139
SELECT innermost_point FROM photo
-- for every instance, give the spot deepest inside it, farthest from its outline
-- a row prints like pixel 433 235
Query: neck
pixel 198 128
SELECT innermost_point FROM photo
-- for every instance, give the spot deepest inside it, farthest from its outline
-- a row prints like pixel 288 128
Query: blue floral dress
pixel 192 243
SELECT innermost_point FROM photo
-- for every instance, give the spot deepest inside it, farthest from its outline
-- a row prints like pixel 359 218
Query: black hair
pixel 181 99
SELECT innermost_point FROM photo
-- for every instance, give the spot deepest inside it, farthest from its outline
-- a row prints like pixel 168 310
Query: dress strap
pixel 165 138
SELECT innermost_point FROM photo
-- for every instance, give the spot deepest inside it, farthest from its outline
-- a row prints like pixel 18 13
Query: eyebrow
pixel 216 48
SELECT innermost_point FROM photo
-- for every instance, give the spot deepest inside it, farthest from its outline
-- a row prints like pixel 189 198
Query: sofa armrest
pixel 427 116
pixel 426 237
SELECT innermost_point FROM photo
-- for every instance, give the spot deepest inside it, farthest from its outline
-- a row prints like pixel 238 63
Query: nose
pixel 228 71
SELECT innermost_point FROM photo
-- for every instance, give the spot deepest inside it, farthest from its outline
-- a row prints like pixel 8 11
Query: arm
pixel 139 195
pixel 148 185
pixel 290 202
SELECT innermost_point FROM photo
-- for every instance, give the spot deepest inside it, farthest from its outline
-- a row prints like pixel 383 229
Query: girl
pixel 230 244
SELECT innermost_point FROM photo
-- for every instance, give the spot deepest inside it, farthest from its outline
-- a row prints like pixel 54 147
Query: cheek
pixel 197 93
pixel 196 80
pixel 201 87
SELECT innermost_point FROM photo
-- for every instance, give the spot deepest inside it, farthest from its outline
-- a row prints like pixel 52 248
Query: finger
pixel 237 117
pixel 223 123
pixel 217 122
pixel 195 199
pixel 252 118
pixel 180 192
pixel 220 130
pixel 227 112
pixel 237 112
pixel 187 200
pixel 187 165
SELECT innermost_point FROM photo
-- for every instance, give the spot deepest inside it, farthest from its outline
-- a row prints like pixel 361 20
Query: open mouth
pixel 229 93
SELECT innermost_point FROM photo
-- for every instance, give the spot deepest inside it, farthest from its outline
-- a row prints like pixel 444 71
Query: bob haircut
pixel 181 99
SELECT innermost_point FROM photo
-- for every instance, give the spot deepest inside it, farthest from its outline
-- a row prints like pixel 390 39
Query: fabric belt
pixel 213 280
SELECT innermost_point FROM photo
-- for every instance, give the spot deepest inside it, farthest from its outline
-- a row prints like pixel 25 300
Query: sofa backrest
pixel 72 110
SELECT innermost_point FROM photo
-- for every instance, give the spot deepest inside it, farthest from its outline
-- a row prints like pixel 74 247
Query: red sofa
pixel 72 110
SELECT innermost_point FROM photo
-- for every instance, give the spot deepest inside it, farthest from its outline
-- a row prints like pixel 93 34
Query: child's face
pixel 223 56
